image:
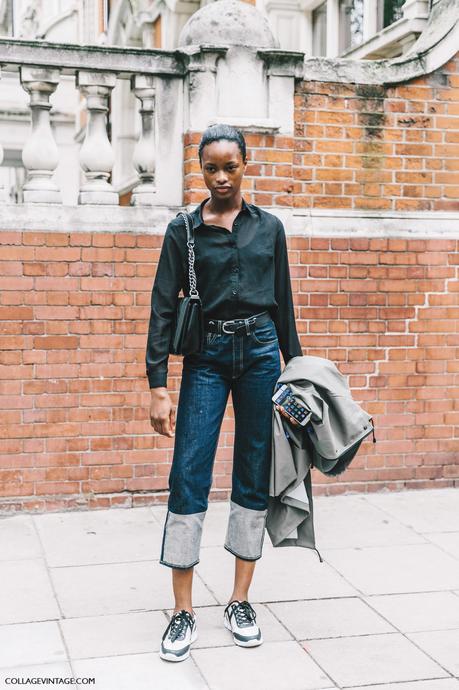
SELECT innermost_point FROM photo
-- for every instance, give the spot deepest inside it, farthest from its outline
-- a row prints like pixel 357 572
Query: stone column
pixel 96 153
pixel 40 154
pixel 370 19
pixel 289 19
pixel 144 157
pixel 332 28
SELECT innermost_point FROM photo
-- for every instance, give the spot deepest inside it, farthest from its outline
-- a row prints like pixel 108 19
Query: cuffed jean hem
pixel 181 567
pixel 246 531
pixel 181 539
pixel 244 558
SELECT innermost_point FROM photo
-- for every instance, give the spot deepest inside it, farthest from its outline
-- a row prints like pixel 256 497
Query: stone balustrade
pixel 40 67
pixel 176 92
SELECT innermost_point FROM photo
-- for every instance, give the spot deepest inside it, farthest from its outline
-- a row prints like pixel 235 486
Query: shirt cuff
pixel 157 379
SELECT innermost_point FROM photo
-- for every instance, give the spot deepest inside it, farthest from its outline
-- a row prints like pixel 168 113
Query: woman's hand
pixel 162 413
pixel 286 414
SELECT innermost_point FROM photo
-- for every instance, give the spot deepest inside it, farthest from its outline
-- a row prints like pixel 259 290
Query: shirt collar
pixel 196 214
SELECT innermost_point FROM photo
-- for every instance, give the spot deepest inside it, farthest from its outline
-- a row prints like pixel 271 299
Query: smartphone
pixel 285 398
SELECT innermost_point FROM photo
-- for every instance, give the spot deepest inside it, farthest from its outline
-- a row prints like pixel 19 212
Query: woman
pixel 244 283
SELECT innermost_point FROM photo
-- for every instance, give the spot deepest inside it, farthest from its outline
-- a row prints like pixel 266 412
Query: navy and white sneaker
pixel 240 618
pixel 178 636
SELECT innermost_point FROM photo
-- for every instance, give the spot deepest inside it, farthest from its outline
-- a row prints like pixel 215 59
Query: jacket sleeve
pixel 285 318
pixel 168 281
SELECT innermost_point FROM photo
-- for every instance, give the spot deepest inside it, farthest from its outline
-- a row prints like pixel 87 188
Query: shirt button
pixel 234 291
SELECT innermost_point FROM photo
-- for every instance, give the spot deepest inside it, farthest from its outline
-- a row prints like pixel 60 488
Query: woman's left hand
pixel 286 415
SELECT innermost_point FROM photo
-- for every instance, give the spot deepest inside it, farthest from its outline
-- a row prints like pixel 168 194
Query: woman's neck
pixel 222 206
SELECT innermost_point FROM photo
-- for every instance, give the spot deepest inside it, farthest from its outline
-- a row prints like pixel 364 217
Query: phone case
pixel 285 398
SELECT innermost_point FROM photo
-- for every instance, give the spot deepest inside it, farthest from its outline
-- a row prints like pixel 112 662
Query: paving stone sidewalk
pixel 83 595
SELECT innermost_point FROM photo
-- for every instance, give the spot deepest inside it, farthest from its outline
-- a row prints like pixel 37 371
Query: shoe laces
pixel 177 625
pixel 244 613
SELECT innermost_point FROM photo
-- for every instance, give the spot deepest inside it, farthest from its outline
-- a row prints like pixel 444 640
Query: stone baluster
pixel 96 153
pixel 143 86
pixel 40 154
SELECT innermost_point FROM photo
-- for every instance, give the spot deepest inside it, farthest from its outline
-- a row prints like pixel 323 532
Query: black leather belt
pixel 243 325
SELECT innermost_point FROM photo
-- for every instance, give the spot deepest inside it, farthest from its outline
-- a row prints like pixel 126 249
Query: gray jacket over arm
pixel 337 426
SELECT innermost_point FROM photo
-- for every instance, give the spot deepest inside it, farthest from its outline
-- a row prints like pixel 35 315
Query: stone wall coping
pixel 153 220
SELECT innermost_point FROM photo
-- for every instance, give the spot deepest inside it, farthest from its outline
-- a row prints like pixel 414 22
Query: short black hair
pixel 222 131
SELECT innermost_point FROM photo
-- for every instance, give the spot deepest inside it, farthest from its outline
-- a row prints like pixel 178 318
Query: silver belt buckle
pixel 224 324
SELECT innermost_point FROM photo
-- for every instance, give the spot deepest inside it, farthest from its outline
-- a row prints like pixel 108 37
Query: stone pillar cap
pixel 228 22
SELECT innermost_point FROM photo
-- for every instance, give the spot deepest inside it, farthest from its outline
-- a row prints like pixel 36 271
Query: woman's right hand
pixel 162 413
pixel 286 414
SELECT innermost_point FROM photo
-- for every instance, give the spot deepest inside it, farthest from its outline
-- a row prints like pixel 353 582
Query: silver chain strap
pixel 191 271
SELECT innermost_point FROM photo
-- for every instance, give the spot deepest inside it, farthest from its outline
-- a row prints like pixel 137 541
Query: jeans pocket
pixel 265 334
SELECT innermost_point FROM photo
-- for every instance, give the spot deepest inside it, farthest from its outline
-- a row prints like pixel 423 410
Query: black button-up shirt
pixel 238 273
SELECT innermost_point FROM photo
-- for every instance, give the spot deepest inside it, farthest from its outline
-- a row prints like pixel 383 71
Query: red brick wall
pixel 375 147
pixel 357 146
pixel 74 307
pixel 386 312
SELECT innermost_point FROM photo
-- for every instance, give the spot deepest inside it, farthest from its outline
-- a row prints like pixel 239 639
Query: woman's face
pixel 222 167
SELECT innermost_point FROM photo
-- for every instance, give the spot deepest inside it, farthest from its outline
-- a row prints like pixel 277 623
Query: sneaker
pixel 178 636
pixel 239 617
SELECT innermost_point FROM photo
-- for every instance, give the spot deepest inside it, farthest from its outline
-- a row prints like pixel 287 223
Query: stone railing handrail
pixel 73 57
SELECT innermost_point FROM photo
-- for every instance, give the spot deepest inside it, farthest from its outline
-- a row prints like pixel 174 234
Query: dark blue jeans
pixel 248 365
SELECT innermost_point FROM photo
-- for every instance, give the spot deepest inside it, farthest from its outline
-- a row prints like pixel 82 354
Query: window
pixel 389 11
pixel 319 30
pixel 350 24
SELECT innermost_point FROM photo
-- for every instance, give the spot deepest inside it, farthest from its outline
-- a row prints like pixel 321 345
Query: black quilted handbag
pixel 188 325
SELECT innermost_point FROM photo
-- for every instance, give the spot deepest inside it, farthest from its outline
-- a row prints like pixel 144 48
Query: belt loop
pixel 247 327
